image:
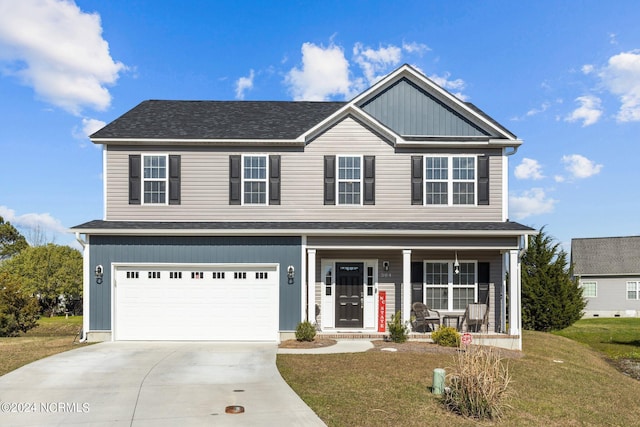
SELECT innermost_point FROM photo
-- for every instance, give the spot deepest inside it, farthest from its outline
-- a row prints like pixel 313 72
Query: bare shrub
pixel 478 387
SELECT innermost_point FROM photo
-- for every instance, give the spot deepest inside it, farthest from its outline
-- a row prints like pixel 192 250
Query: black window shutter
pixel 417 276
pixel 416 180
pixel 174 180
pixel 134 179
pixel 235 180
pixel 484 278
pixel 483 180
pixel 274 180
pixel 329 180
pixel 369 180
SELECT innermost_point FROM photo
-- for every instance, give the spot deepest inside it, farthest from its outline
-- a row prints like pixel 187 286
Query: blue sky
pixel 564 76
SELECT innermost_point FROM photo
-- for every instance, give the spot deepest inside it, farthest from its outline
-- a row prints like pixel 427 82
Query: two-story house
pixel 236 220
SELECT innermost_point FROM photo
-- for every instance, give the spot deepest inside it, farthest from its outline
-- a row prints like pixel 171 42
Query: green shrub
pixel 479 385
pixel 18 310
pixel 446 336
pixel 398 331
pixel 305 331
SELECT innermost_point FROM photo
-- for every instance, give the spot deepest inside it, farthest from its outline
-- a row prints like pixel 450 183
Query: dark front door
pixel 349 294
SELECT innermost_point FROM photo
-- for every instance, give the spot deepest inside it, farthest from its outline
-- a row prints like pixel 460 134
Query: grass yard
pixel 618 338
pixel 53 335
pixel 558 382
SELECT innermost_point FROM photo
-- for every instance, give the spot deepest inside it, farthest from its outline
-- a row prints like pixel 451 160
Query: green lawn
pixel 558 382
pixel 618 338
pixel 53 335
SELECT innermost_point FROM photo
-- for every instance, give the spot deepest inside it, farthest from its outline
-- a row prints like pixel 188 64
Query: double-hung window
pixel 255 180
pixel 349 180
pixel 590 289
pixel 633 290
pixel 450 180
pixel 448 290
pixel 155 179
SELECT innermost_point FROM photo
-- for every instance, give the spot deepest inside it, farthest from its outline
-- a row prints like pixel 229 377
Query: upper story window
pixel 255 180
pixel 349 180
pixel 450 180
pixel 155 179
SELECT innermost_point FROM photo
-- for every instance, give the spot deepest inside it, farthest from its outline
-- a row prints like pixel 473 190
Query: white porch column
pixel 515 289
pixel 406 285
pixel 311 285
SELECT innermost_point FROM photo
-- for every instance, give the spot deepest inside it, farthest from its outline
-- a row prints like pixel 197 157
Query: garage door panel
pixel 231 305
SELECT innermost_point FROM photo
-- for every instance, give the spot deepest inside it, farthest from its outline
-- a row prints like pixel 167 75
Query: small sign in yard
pixel 466 338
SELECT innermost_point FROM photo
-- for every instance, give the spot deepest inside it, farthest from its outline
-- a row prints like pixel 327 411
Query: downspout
pixel 83 243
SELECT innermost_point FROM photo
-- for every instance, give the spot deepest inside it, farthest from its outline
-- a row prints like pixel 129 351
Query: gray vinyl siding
pixel 611 294
pixel 205 183
pixel 410 111
pixel 159 249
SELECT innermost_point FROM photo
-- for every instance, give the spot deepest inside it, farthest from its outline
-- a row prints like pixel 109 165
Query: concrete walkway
pixel 154 384
pixel 341 346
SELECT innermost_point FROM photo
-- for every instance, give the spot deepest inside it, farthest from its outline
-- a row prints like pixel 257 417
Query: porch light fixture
pixel 290 273
pixel 456 265
pixel 99 273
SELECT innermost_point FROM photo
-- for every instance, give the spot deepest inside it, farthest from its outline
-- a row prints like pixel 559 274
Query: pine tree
pixel 551 297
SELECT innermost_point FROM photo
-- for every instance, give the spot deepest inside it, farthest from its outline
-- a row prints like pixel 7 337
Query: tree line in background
pixel 44 279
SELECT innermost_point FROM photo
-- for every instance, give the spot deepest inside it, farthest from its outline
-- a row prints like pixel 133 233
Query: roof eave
pixel 197 141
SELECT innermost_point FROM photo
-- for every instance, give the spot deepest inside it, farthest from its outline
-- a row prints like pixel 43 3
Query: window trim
pixel 595 288
pixel 450 285
pixel 360 180
pixel 450 181
pixel 143 180
pixel 636 284
pixel 265 180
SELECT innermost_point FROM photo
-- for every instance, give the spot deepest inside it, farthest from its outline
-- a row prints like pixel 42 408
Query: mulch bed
pixel 316 343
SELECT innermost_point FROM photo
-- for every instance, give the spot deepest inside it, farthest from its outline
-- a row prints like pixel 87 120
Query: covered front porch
pixel 354 285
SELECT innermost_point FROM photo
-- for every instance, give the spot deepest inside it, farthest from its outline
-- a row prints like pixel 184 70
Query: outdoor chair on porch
pixel 476 317
pixel 425 319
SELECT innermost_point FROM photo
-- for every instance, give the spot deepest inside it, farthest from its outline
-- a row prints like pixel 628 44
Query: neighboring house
pixel 237 220
pixel 608 269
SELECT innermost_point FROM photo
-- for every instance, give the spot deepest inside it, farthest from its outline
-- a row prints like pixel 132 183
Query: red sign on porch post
pixel 382 311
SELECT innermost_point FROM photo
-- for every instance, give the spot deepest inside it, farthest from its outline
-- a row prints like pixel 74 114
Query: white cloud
pixel 415 47
pixel 559 178
pixel 453 86
pixel 58 50
pixel 529 203
pixel 243 84
pixel 35 222
pixel 587 69
pixel 621 77
pixel 528 169
pixel 324 74
pixel 580 167
pixel 376 63
pixel 589 111
pixel 89 126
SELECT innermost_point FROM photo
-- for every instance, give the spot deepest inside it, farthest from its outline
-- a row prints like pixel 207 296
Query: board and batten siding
pixel 205 183
pixel 106 250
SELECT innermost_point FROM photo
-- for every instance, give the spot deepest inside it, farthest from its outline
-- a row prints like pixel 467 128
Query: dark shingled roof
pixel 606 256
pixel 283 226
pixel 218 120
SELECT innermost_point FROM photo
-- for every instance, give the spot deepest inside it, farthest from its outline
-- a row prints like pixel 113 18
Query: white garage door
pixel 196 302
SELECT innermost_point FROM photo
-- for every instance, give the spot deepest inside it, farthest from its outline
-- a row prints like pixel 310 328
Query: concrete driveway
pixel 153 384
